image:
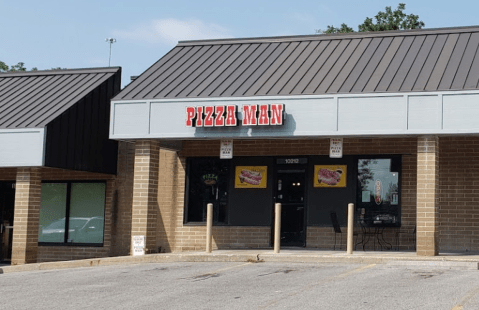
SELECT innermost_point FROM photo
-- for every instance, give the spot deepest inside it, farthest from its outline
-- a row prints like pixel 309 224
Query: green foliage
pixel 387 20
pixel 331 29
pixel 392 20
pixel 3 67
pixel 20 67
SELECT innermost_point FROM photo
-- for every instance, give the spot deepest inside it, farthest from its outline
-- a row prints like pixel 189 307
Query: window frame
pixel 67 215
pixel 396 160
pixel 189 164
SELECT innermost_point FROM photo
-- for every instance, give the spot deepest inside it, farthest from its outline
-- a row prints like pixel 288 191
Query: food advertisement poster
pixel 251 176
pixel 330 176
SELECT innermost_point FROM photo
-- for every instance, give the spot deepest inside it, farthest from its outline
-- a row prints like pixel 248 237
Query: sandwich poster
pixel 251 176
pixel 330 176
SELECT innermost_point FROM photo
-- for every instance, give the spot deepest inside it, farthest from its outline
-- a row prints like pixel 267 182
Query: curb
pixel 439 262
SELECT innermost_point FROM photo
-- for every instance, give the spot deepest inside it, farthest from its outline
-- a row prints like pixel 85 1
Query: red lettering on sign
pixel 199 118
pixel 263 118
pixel 277 114
pixel 209 116
pixel 190 116
pixel 231 115
pixel 220 115
pixel 249 115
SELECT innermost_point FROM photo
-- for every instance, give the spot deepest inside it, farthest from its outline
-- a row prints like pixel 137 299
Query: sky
pixel 71 34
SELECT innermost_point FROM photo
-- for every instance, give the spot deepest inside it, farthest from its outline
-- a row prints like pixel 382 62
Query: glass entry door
pixel 290 192
pixel 7 201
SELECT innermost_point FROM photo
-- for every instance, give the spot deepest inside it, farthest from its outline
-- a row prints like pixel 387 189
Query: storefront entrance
pixel 290 192
pixel 7 201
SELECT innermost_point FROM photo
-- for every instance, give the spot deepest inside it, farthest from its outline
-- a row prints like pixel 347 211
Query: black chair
pixel 407 232
pixel 337 228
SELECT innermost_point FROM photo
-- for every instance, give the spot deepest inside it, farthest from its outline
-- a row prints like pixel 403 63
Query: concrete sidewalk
pixel 467 260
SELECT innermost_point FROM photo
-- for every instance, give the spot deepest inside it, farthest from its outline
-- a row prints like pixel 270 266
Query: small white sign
pixel 226 149
pixel 336 148
pixel 138 245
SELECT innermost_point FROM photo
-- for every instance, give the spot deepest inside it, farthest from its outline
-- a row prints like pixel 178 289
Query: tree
pixel 3 67
pixel 20 67
pixel 387 20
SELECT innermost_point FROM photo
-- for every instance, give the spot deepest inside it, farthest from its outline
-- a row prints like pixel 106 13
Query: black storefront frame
pixel 352 181
pixel 291 165
pixel 186 222
pixel 396 159
pixel 67 215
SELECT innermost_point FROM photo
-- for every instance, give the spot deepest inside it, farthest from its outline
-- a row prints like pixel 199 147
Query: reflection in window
pixel 378 192
pixel 82 215
pixel 207 183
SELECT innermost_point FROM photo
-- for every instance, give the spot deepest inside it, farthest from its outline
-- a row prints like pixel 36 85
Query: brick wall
pixel 459 194
pixel 8 174
pixel 123 199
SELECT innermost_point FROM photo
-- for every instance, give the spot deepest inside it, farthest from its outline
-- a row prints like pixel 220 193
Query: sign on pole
pixel 226 149
pixel 336 148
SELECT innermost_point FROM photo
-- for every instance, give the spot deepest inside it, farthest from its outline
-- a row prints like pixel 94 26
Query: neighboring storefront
pixel 57 165
pixel 386 120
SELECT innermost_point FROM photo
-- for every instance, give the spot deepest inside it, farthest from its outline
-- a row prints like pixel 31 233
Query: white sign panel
pixel 226 149
pixel 336 148
pixel 138 245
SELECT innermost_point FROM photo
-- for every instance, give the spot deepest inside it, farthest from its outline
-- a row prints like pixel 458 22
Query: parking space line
pixel 215 272
pixel 321 282
pixel 472 293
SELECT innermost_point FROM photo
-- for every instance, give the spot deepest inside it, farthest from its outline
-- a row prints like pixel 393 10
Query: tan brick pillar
pixel 26 216
pixel 145 193
pixel 427 196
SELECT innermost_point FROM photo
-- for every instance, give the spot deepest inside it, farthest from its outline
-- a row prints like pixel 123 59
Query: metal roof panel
pixel 32 99
pixel 368 62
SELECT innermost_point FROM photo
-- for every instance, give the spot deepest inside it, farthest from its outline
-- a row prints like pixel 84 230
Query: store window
pixel 207 183
pixel 378 195
pixel 77 208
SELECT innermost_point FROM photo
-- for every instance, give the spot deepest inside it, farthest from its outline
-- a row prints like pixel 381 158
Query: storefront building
pixel 57 165
pixel 405 106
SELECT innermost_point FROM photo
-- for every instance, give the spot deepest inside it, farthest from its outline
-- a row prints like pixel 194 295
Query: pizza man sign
pixel 219 116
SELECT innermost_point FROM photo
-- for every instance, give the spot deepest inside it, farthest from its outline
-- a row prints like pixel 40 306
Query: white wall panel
pixel 22 147
pixel 372 114
pixel 424 113
pixel 130 119
pixel 461 112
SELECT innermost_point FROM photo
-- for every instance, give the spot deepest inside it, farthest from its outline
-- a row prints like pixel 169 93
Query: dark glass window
pixel 73 207
pixel 378 197
pixel 207 183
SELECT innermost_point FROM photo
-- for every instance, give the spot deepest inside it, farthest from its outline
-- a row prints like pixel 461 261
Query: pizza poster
pixel 330 175
pixel 251 176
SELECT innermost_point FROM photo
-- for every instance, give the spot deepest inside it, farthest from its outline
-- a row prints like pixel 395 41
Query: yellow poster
pixel 251 176
pixel 330 176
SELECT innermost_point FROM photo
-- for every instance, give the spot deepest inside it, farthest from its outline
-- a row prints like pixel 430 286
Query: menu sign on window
pixel 251 176
pixel 330 176
pixel 336 148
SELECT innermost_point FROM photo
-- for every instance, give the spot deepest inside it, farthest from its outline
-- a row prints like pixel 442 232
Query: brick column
pixel 145 192
pixel 26 216
pixel 427 196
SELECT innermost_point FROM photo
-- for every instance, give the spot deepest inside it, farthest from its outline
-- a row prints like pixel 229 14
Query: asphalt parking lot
pixel 245 285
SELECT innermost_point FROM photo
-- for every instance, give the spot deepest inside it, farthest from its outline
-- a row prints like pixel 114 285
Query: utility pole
pixel 111 41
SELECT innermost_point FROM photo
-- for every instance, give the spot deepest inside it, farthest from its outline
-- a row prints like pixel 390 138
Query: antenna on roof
pixel 111 41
